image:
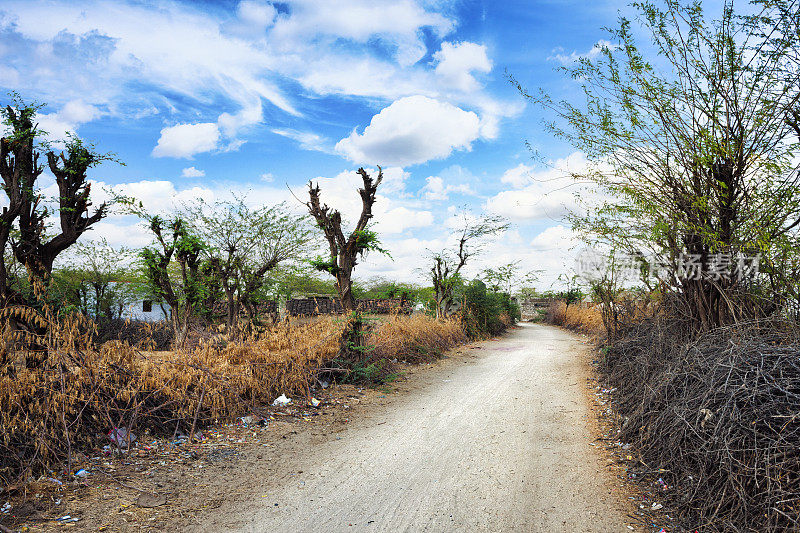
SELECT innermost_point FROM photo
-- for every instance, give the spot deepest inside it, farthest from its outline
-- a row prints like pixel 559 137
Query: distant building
pixel 137 305
pixel 144 310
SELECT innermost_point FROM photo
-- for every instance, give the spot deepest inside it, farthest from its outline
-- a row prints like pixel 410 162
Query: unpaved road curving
pixel 499 443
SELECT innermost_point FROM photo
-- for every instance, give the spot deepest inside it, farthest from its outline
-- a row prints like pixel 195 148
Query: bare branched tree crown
pixel 345 250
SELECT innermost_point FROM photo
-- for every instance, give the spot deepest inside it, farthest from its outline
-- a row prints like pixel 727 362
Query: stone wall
pixel 220 309
pixel 324 305
pixel 531 307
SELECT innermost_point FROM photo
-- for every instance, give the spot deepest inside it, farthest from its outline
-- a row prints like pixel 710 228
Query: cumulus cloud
pixel 412 130
pixel 191 59
pixel 555 238
pixel 455 63
pixel 400 219
pixel 436 189
pixel 67 120
pixel 187 140
pixel 519 176
pixel 192 172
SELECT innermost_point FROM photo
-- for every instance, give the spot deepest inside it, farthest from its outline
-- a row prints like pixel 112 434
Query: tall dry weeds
pixel 64 394
pixel 414 338
pixel 585 318
pixel 67 393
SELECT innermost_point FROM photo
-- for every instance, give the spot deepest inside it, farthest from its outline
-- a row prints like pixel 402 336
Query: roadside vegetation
pixel 694 139
pixel 79 362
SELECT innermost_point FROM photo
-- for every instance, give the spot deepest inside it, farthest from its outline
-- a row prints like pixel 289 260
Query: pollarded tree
pixel 23 222
pixel 447 264
pixel 33 249
pixel 346 250
pixel 19 169
pixel 700 147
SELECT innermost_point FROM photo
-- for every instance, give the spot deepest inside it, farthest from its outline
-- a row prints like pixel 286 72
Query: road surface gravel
pixel 498 443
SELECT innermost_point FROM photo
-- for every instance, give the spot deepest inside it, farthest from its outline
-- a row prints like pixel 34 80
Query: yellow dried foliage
pixel 415 337
pixel 65 393
pixel 585 317
pixel 59 393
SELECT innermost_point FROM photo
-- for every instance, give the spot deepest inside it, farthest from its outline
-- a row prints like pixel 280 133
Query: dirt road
pixel 500 443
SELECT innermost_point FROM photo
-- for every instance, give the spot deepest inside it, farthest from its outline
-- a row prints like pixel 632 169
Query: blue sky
pixel 217 98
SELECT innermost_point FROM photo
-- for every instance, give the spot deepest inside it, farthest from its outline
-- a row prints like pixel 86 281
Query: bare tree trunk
pixel 232 307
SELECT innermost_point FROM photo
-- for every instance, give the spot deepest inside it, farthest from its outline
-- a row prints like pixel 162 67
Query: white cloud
pixel 306 139
pixel 193 60
pixel 67 120
pixel 186 140
pixel 555 238
pixel 455 63
pixel 192 172
pixel 394 180
pixel 550 194
pixel 412 130
pixel 267 176
pixel 435 189
pixel 398 24
pixel 79 112
pixel 253 18
pixel 519 176
pixel 593 53
pixel 400 219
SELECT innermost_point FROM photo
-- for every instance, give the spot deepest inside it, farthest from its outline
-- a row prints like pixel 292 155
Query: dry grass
pixel 586 318
pixel 70 393
pixel 415 337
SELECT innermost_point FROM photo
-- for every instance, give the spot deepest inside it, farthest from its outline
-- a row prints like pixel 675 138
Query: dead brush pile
pixel 69 394
pixel 719 413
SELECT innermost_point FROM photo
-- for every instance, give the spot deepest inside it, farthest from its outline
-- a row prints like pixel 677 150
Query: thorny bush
pixel 718 412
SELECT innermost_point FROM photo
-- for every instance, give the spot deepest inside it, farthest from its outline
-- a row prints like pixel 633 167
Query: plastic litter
pixel 656 506
pixel 282 401
pixel 5 508
pixel 121 436
pixel 315 402
pixel 82 473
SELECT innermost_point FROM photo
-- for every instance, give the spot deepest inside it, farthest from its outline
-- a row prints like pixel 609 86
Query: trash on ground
pixel 121 436
pixel 281 401
pixel 315 402
pixel 253 420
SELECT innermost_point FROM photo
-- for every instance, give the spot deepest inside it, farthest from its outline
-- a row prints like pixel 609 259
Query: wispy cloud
pixel 594 52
